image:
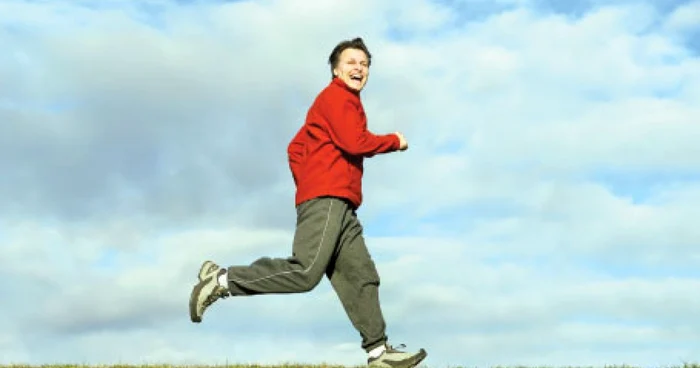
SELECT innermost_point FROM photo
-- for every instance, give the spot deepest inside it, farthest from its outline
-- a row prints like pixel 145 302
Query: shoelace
pixel 395 349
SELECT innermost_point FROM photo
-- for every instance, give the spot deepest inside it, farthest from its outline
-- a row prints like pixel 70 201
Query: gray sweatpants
pixel 328 240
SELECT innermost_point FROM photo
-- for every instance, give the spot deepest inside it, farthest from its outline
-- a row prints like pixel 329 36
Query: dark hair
pixel 355 43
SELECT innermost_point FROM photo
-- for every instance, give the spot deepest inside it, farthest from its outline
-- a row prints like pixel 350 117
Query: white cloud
pixel 685 17
pixel 136 152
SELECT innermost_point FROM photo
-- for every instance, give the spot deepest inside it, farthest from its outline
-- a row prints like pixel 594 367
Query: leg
pixel 355 279
pixel 318 230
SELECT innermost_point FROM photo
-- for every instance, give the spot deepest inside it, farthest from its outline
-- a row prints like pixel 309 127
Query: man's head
pixel 350 61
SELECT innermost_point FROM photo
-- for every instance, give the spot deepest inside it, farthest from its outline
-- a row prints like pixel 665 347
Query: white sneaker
pixel 393 358
pixel 207 291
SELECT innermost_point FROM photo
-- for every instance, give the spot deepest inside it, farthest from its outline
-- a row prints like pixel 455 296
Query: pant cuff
pixel 376 345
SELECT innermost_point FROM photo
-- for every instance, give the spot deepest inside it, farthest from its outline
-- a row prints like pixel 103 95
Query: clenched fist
pixel 403 145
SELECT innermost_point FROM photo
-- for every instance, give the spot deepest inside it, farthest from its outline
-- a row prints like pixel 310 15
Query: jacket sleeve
pixel 349 132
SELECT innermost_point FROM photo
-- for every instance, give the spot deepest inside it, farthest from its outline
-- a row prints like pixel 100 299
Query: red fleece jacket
pixel 327 153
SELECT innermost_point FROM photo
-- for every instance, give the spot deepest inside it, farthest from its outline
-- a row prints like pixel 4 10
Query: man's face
pixel 353 68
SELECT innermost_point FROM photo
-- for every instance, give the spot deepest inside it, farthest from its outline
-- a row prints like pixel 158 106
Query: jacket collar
pixel 340 83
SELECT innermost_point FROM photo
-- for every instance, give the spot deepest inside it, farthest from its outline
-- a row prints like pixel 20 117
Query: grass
pixel 179 366
pixel 291 365
pixel 182 366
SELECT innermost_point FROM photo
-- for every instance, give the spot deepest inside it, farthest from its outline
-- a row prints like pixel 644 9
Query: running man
pixel 326 161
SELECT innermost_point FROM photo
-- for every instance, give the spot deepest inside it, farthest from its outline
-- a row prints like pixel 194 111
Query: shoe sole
pixel 421 356
pixel 203 271
pixel 193 302
pixel 417 359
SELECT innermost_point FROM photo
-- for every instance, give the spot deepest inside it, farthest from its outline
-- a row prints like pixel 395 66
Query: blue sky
pixel 544 213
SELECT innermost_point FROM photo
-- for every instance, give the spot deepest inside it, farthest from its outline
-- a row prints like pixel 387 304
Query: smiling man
pixel 326 159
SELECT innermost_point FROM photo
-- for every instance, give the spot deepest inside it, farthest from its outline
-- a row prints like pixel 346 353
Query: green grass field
pixel 686 365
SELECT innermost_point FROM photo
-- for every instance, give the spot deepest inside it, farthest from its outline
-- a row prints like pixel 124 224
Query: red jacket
pixel 326 155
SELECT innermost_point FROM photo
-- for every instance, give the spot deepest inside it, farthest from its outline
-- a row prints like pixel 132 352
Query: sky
pixel 542 215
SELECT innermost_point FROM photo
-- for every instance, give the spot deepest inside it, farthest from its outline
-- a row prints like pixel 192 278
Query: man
pixel 326 160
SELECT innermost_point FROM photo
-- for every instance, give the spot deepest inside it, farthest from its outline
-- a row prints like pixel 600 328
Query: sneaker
pixel 207 291
pixel 393 358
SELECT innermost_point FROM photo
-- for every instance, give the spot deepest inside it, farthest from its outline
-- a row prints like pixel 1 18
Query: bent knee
pixel 310 280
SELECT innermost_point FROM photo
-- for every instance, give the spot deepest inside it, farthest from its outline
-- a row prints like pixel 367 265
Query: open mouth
pixel 356 78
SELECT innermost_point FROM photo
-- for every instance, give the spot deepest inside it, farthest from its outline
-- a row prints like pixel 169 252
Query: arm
pixel 349 132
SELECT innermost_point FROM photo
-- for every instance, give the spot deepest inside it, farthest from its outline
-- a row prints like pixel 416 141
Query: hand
pixel 403 145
